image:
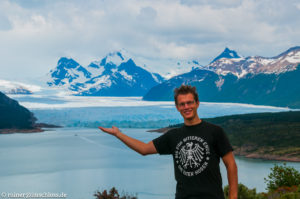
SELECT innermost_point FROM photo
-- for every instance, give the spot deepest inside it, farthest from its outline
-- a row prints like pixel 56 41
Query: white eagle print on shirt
pixel 192 155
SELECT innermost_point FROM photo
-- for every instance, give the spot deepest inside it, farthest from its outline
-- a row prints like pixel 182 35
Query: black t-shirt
pixel 196 152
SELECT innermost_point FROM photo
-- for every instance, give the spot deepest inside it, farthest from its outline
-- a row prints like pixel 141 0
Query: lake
pixel 80 159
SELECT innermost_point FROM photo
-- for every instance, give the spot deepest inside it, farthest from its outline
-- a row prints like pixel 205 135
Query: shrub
pixel 113 194
pixel 243 192
pixel 285 193
pixel 282 176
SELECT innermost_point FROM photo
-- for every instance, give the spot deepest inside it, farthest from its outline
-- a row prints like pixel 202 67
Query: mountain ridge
pixel 227 53
pixel 241 66
pixel 262 87
pixel 114 75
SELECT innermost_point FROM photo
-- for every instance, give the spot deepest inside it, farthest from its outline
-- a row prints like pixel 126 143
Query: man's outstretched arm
pixel 232 175
pixel 137 145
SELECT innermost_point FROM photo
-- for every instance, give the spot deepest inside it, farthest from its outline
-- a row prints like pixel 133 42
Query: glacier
pixel 125 112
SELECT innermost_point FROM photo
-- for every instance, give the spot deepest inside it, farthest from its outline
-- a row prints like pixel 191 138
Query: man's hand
pixel 137 145
pixel 113 131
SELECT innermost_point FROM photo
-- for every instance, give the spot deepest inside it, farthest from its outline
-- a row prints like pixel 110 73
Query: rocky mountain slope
pixel 256 80
pixel 13 115
pixel 114 75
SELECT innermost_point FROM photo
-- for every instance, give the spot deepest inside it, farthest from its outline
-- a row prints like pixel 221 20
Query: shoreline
pixel 264 155
pixel 37 128
pixel 11 131
pixel 269 157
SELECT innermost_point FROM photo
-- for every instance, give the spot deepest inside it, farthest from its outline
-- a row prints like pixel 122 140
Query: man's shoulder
pixel 212 126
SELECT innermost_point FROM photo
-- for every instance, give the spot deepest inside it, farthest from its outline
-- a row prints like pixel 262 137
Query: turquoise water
pixel 79 161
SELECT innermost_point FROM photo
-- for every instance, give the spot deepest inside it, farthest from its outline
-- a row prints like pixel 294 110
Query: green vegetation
pixel 282 176
pixel 113 194
pixel 274 134
pixel 283 183
pixel 244 192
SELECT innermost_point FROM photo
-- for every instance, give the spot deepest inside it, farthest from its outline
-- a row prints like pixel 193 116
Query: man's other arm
pixel 232 175
pixel 137 145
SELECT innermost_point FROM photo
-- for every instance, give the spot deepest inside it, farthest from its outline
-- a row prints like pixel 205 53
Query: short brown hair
pixel 185 89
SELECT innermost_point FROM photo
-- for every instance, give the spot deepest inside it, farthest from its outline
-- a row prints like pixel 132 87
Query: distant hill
pixel 279 129
pixel 264 135
pixel 273 136
pixel 13 115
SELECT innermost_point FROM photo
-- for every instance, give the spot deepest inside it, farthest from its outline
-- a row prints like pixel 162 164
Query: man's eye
pixel 190 102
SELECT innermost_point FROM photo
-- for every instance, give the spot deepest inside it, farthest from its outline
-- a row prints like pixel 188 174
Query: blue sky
pixel 34 34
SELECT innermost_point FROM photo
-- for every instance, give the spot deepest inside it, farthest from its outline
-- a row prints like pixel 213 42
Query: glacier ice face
pixel 129 112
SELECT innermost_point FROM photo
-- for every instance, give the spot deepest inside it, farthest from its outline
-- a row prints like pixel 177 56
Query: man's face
pixel 187 106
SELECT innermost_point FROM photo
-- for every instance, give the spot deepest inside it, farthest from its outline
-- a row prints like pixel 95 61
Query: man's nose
pixel 186 105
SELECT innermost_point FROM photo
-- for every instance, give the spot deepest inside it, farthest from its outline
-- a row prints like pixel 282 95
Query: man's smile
pixel 188 111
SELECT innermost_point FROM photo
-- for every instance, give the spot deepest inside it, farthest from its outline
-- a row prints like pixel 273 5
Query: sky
pixel 34 34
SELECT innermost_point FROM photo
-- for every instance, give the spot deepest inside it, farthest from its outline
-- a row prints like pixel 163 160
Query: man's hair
pixel 185 89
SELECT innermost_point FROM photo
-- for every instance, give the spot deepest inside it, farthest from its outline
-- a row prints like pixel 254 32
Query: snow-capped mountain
pixel 68 71
pixel 281 89
pixel 256 80
pixel 167 68
pixel 10 87
pixel 241 66
pixel 227 53
pixel 115 75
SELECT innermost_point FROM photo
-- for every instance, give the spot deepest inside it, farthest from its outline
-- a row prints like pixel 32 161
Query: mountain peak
pixel 115 57
pixel 293 49
pixel 67 62
pixel 66 71
pixel 117 54
pixel 227 53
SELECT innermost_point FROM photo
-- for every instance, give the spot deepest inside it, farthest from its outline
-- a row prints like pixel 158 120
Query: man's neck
pixel 194 121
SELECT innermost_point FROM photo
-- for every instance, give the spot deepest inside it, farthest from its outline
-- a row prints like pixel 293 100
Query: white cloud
pixel 35 34
pixel 147 13
pixel 4 23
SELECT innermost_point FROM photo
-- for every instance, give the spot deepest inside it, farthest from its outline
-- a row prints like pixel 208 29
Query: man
pixel 196 149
